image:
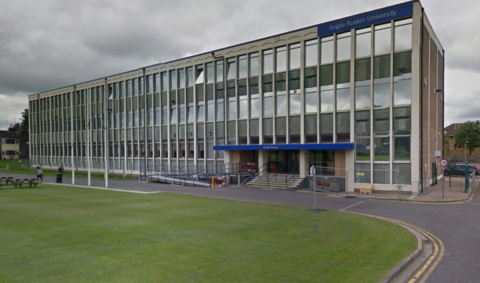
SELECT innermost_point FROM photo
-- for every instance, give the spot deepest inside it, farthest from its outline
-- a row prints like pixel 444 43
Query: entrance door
pixel 293 161
pixel 282 161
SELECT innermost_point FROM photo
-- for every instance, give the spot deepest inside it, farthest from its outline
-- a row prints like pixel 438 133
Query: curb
pixel 409 259
pixel 402 265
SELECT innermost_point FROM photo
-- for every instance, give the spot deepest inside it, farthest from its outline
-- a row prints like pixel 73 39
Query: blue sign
pixel 312 146
pixel 366 19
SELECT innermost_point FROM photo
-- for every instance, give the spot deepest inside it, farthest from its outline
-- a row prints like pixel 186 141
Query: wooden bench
pixel 366 189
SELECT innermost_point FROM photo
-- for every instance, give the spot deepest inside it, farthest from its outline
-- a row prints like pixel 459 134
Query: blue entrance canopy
pixel 312 146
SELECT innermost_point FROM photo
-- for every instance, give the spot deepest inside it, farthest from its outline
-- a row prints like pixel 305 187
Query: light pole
pixel 107 146
pixel 466 142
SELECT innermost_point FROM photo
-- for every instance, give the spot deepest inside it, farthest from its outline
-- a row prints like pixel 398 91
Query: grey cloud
pixel 47 44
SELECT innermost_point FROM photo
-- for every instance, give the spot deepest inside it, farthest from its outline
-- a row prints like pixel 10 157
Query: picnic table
pixel 30 182
pixel 6 180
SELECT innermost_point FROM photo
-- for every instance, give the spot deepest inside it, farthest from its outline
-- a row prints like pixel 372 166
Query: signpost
pixel 444 164
pixel 312 173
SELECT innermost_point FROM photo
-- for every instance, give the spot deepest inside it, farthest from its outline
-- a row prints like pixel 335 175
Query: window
pixel 164 81
pixel 189 76
pixel 311 129
pixel 254 64
pixel 401 131
pixel 362 83
pixel 156 86
pixel 381 80
pixel 363 43
pixel 268 107
pixel 326 88
pixel 231 69
pixel 254 97
pixel 232 108
pixel 268 131
pixel 294 129
pixel 242 66
pixel 209 72
pixel 219 71
pixel 451 146
pixel 181 78
pixel 343 46
pixel 403 34
pixel 294 56
pixel 326 50
pixel 343 127
pixel 382 39
pixel 381 173
pixel 199 76
pixel 343 86
pixel 268 61
pixel 281 59
pixel 363 168
pixel 311 53
pixel 402 78
pixel 326 128
pixel 362 149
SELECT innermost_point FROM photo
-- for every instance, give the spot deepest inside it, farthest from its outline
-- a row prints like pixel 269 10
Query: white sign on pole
pixel 443 162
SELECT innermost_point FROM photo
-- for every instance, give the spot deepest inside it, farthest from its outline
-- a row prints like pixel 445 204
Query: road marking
pixel 436 257
pixel 106 189
pixel 433 260
pixel 352 205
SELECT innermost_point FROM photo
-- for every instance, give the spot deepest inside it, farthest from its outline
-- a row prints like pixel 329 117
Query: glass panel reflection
pixel 382 41
pixel 326 101
pixel 343 99
pixel 403 37
pixel 295 104
pixel 363 43
pixel 281 59
pixel 343 47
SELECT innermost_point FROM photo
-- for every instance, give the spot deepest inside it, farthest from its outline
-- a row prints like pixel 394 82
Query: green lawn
pixel 66 234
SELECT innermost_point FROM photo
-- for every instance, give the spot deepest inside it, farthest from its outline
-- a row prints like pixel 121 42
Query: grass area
pixel 67 234
pixel 23 167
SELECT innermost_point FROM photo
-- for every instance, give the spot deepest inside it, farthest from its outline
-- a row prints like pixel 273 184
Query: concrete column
pixel 304 170
pixel 227 156
pixel 262 157
pixel 349 166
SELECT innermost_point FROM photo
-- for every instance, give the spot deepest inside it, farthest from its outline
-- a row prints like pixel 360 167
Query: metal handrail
pixel 294 171
pixel 274 175
pixel 259 171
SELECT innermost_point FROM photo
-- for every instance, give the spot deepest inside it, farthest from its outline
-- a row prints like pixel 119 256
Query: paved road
pixel 456 225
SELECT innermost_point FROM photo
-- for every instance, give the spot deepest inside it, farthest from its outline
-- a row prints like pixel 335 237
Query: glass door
pixel 293 161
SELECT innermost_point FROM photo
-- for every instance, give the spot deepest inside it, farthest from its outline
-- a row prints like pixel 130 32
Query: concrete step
pixel 276 181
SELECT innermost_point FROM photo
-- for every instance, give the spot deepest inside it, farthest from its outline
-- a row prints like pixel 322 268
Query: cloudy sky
pixel 48 44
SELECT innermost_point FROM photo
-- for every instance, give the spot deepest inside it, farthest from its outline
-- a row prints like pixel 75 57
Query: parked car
pixel 471 164
pixel 459 169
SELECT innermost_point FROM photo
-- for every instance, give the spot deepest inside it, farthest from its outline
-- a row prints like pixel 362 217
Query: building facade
pixel 361 95
pixel 13 145
pixel 457 153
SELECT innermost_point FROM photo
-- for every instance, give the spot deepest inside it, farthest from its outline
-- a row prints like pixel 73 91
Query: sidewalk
pixel 434 194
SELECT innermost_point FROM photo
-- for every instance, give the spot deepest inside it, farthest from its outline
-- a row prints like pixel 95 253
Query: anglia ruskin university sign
pixel 367 19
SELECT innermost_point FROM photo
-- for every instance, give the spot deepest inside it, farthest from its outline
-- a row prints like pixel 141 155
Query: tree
pixel 24 125
pixel 468 132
